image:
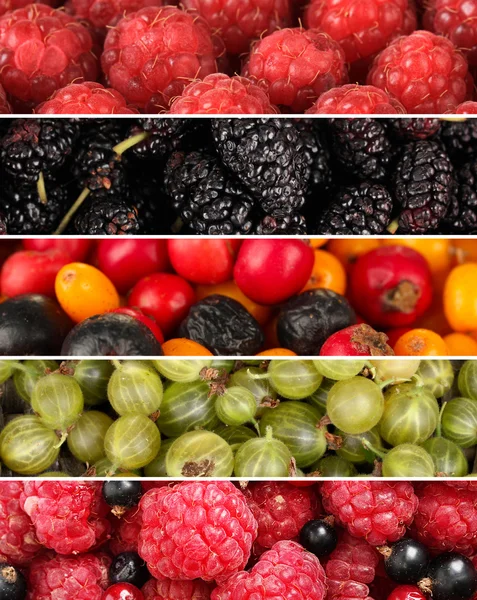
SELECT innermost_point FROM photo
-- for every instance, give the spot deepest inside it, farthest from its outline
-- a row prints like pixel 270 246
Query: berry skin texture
pixel 196 530
pixel 101 13
pixel 166 589
pixel 281 511
pixel 459 304
pixel 378 511
pixel 221 94
pixel 240 22
pixel 425 72
pixel 296 66
pixel 151 54
pixel 357 100
pixel 5 108
pixel 357 340
pixel 446 518
pixel 42 50
pixel 87 98
pixel 123 591
pixel 285 569
pixel 126 531
pixel 466 108
pixel 361 32
pixel 407 592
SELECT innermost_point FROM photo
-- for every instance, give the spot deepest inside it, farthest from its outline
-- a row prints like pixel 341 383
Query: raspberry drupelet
pixel 87 98
pixel 104 13
pixel 166 589
pixel 356 99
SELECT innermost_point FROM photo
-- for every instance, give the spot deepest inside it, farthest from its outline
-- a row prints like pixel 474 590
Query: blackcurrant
pixel 13 584
pixel 452 577
pixel 406 561
pixel 128 567
pixel 318 537
pixel 125 494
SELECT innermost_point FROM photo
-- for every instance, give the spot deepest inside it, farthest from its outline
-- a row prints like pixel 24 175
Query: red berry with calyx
pixel 126 531
pixel 166 297
pixel 357 340
pixel 152 54
pixel 296 66
pixel 5 108
pixel 357 100
pixel 424 71
pixel 87 98
pixel 140 316
pixel 206 262
pixel 126 261
pixel 271 271
pixel 42 50
pixel 466 108
pixel 167 589
pixel 221 94
pixel 78 249
pixel 104 13
pixel 123 591
pixel 32 272
pixel 407 592
pixel 391 286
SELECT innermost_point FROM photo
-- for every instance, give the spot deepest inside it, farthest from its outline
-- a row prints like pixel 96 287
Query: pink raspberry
pixel 5 108
pixel 356 99
pixel 68 516
pixel 361 32
pixel 166 589
pixel 350 568
pixel 466 108
pixel 152 54
pixel 104 13
pixel 281 511
pixel 195 530
pixel 221 94
pixel 87 98
pixel 296 66
pixel 66 578
pixel 378 511
pixel 42 50
pixel 18 543
pixel 446 518
pixel 287 566
pixel 424 71
pixel 126 531
pixel 239 22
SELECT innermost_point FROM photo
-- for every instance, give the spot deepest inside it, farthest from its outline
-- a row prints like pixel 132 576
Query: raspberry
pixel 151 55
pixel 196 530
pixel 18 544
pixel 466 108
pixel 281 510
pixel 284 571
pixel 126 531
pixel 378 511
pixel 42 50
pixel 166 589
pixel 87 98
pixel 65 578
pixel 239 22
pixel 296 66
pixel 356 99
pixel 425 72
pixel 446 518
pixel 68 516
pixel 221 94
pixel 361 32
pixel 350 568
pixel 104 13
pixel 7 5
pixel 5 108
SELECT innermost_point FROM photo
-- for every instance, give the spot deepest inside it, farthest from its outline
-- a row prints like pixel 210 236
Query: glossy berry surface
pixel 318 537
pixel 406 561
pixel 123 591
pixel 128 567
pixel 122 493
pixel 453 577
pixel 13 585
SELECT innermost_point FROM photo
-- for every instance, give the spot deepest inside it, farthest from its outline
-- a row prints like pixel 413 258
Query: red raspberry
pixel 356 99
pixel 296 66
pixel 286 567
pixel 424 71
pixel 221 94
pixel 152 54
pixel 5 108
pixel 350 568
pixel 126 531
pixel 87 98
pixel 361 31
pixel 239 22
pixel 281 511
pixel 18 544
pixel 166 589
pixel 42 50
pixel 104 13
pixel 6 5
pixel 466 108
pixel 195 530
pixel 446 518
pixel 379 511
pixel 67 515
pixel 66 578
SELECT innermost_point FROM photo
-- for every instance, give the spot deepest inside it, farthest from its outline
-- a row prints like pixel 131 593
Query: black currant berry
pixel 406 561
pixel 123 494
pixel 12 583
pixel 450 576
pixel 318 537
pixel 128 567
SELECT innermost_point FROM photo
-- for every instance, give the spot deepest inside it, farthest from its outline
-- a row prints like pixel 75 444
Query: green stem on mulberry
pixel 393 227
pixel 40 186
pixel 67 218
